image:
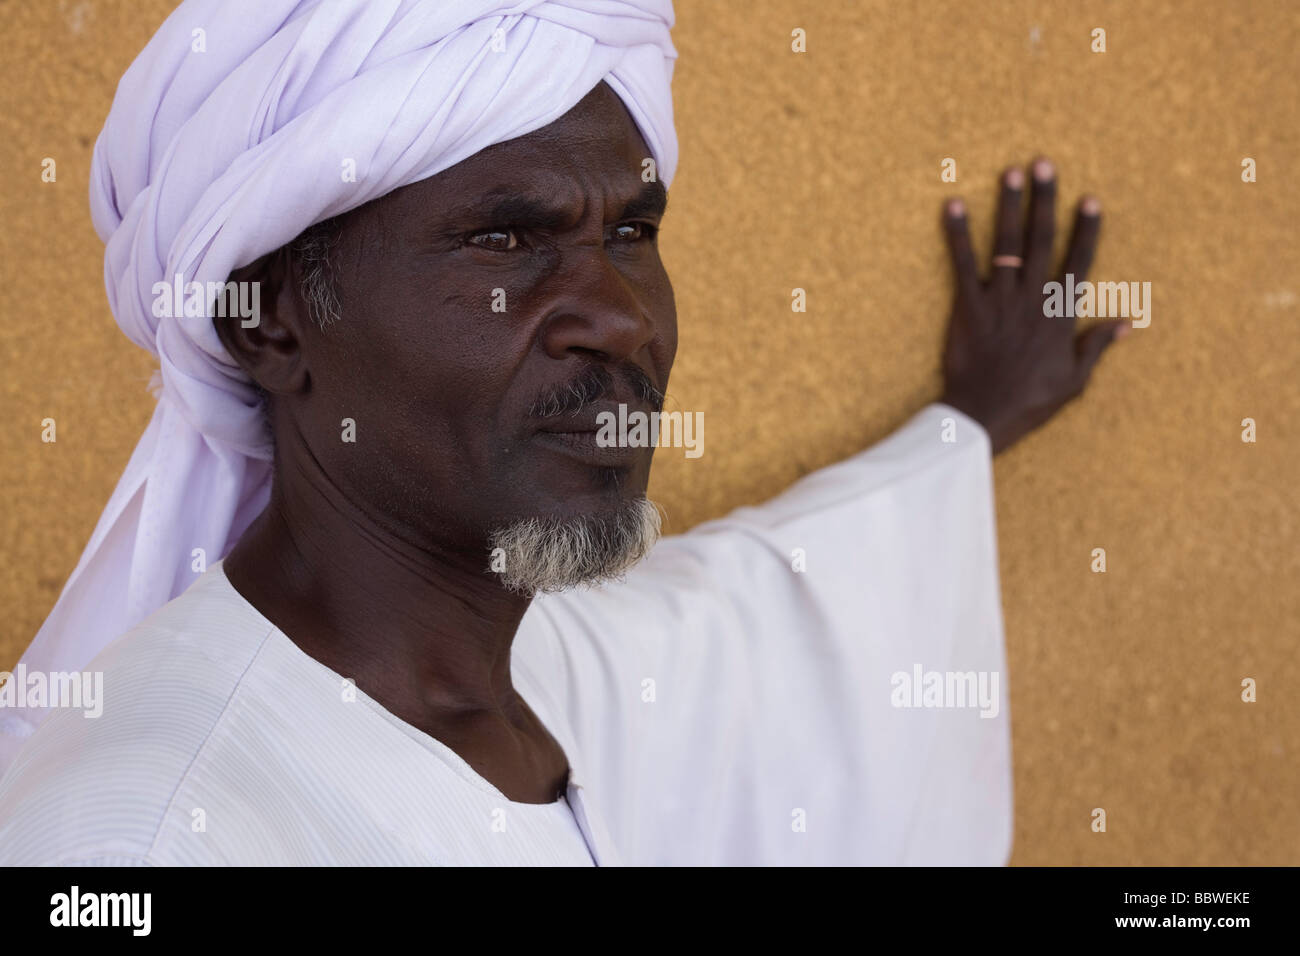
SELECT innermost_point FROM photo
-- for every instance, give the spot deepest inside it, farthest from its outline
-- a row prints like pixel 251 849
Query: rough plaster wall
pixel 821 171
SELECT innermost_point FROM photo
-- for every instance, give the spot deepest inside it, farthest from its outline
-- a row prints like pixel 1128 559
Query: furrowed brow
pixel 519 210
pixel 502 207
pixel 506 208
pixel 651 201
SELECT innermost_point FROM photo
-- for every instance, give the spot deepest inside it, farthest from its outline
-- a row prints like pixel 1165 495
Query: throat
pixel 518 757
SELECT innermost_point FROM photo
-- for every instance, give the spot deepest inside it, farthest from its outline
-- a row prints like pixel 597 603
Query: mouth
pixel 578 435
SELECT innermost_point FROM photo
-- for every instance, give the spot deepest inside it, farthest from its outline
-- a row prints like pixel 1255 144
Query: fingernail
pixel 1123 330
pixel 1014 178
pixel 1091 206
pixel 956 207
pixel 1044 170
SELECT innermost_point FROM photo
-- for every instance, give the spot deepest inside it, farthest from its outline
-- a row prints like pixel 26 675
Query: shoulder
pixel 95 782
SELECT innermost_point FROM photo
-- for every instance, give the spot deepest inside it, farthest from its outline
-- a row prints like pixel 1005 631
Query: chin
pixel 556 552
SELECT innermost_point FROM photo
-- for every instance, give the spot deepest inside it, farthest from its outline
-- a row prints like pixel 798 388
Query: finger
pixel 1042 222
pixel 1008 239
pixel 1094 340
pixel 963 258
pixel 1083 239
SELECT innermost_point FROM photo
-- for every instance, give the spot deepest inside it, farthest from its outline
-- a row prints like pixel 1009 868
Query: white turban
pixel 227 138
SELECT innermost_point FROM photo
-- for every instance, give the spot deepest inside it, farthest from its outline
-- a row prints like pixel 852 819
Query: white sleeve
pixel 734 703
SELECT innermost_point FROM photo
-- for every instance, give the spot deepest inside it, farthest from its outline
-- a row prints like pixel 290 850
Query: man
pixel 365 677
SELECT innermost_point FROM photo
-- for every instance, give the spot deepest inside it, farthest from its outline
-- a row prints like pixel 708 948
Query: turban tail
pixel 229 136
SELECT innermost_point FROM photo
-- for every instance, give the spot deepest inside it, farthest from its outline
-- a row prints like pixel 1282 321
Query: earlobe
pixel 266 343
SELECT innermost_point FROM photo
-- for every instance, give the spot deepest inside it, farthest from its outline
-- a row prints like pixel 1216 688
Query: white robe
pixel 717 707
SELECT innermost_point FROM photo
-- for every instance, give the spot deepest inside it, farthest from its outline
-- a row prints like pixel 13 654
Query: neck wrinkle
pixel 416 629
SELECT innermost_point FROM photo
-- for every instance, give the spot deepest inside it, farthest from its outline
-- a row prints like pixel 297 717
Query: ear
pixel 268 344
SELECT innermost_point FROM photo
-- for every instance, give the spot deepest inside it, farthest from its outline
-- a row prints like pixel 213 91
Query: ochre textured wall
pixel 821 170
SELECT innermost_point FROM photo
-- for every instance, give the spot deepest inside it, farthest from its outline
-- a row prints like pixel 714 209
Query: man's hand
pixel 1006 365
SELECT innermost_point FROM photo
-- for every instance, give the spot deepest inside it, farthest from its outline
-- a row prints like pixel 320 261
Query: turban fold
pixel 229 135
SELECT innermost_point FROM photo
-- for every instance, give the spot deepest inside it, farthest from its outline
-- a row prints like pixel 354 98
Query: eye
pixel 635 231
pixel 497 240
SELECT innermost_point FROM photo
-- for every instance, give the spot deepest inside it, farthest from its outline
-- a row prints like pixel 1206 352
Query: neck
pixel 427 634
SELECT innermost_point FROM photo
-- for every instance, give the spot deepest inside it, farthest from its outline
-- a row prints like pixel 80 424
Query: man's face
pixel 488 314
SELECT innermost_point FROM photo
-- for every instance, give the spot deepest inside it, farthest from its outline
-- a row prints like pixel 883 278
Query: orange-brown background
pixel 821 171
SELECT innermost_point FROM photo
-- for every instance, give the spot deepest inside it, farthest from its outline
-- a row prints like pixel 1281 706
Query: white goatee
pixel 554 554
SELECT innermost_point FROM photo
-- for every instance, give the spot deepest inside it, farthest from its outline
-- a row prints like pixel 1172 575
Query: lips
pixel 574 435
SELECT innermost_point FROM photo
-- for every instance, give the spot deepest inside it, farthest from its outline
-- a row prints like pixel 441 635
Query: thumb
pixel 1090 343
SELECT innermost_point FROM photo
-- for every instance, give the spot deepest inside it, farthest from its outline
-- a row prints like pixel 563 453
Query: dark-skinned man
pixel 441 629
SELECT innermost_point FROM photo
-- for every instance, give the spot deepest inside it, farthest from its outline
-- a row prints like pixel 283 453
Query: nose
pixel 595 310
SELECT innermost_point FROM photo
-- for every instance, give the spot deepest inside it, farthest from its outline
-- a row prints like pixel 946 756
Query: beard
pixel 535 555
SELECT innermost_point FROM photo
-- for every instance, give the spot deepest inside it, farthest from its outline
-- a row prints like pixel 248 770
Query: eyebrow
pixel 503 206
pixel 652 200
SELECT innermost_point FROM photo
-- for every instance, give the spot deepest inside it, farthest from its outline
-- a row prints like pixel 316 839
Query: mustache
pixel 594 383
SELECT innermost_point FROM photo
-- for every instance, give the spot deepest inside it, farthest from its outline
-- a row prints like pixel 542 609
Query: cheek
pixel 436 392
pixel 665 311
